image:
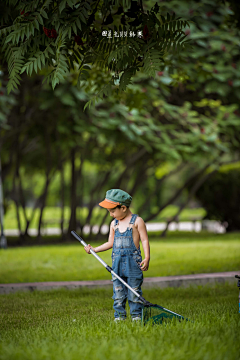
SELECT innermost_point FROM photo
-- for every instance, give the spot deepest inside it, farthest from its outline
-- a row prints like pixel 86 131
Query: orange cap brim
pixel 108 204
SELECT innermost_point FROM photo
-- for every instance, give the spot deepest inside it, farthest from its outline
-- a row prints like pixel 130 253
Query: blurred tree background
pixel 165 140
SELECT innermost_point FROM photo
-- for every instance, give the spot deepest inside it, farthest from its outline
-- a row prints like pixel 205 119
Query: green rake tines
pixel 157 314
pixel 153 313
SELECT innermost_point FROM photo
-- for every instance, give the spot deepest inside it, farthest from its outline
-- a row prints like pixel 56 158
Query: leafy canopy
pixel 70 35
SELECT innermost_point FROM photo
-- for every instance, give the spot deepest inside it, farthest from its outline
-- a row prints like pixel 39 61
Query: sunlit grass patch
pixel 178 256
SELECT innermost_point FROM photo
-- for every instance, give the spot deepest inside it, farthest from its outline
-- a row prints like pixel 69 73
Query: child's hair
pixel 119 206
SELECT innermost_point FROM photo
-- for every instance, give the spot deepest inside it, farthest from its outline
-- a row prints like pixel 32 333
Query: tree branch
pixel 193 190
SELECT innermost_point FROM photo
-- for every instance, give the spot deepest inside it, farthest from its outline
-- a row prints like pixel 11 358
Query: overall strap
pixel 115 224
pixel 132 221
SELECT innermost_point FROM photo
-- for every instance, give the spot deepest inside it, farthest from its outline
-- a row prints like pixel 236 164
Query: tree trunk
pixel 62 180
pixel 72 221
pixel 97 189
pixel 131 161
pixel 136 157
pixel 193 190
pixel 62 198
pixel 141 176
pixel 195 187
pixel 38 202
pixel 102 223
pixel 48 169
pixel 16 201
pixel 80 185
pixel 23 204
pixel 159 183
pixel 177 193
pixel 43 204
pixel 29 222
pixel 16 189
pixel 191 194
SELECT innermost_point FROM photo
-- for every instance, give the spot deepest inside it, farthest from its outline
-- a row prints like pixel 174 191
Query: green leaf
pixel 74 28
pixel 169 45
pixel 87 104
pixel 125 79
pixel 35 66
pixel 62 5
pixel 60 76
pixel 40 20
pixel 23 33
pixel 30 69
pixel 51 50
pixel 82 18
pixel 32 28
pixel 78 24
pixel 182 38
pixel 36 25
pixel 39 62
pixel 178 37
pixel 70 3
pixel 44 13
pixel 54 83
pixel 23 69
pixel 9 37
pixel 43 58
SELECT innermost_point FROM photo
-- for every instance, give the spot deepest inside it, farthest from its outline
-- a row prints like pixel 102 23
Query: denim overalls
pixel 126 259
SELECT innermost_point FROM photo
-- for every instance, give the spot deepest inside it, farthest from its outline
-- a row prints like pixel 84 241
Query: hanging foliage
pixel 60 36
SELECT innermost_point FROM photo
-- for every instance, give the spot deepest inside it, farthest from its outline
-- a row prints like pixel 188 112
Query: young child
pixel 126 230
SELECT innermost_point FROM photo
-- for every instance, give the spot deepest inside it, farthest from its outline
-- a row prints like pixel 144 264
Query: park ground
pixel 78 324
pixel 178 254
pixel 72 324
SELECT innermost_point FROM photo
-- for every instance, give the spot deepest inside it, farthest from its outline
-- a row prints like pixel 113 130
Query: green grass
pixel 78 324
pixel 52 215
pixel 177 255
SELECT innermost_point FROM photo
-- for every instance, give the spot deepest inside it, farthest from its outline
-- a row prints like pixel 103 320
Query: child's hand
pixel 87 248
pixel 144 265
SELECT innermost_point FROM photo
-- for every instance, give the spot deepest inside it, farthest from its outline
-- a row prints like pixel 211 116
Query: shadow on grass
pixel 173 236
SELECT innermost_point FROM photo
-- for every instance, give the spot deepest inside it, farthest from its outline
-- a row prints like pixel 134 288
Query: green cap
pixel 116 197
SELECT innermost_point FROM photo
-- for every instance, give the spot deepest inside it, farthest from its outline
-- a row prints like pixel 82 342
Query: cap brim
pixel 108 205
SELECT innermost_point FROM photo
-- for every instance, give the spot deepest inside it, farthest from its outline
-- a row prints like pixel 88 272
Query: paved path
pixel 197 226
pixel 162 282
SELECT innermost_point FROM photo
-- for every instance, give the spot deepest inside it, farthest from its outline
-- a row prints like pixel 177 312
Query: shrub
pixel 220 196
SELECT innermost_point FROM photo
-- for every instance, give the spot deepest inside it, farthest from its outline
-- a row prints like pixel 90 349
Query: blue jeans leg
pixel 134 303
pixel 120 298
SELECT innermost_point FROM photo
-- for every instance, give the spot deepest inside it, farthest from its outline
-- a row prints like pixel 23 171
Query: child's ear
pixel 124 208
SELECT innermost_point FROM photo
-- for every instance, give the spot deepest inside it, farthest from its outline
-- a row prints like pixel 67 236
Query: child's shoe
pixel 137 318
pixel 118 319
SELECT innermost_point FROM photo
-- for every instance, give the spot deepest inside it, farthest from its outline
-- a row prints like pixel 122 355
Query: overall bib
pixel 126 259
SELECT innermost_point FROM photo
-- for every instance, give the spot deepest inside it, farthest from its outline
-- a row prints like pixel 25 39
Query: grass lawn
pixel 78 324
pixel 176 255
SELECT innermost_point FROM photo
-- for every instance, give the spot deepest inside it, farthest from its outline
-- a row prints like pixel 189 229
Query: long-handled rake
pixel 150 312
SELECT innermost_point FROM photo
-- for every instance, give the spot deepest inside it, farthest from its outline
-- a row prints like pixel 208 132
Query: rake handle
pixel 108 267
pixel 144 301
pixel 91 251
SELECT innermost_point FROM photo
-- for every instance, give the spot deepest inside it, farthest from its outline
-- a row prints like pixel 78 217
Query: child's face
pixel 118 213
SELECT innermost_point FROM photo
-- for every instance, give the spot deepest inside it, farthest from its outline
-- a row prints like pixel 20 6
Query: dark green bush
pixel 220 196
